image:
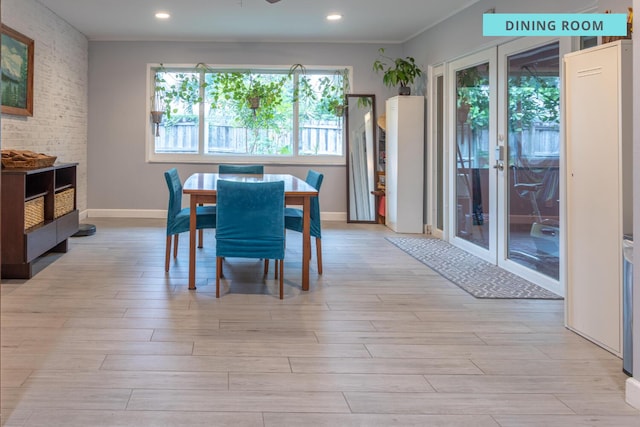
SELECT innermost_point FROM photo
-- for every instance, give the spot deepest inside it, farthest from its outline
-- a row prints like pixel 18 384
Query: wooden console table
pixel 24 240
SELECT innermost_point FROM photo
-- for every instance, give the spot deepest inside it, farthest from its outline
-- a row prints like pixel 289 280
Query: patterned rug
pixel 476 276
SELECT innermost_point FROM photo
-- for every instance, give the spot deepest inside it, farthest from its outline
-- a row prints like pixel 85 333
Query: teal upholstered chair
pixel 254 169
pixel 293 216
pixel 178 217
pixel 250 223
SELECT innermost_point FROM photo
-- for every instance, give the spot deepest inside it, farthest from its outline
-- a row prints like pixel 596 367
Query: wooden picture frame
pixel 17 73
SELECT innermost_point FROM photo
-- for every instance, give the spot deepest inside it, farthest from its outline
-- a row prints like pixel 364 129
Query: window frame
pixel 203 158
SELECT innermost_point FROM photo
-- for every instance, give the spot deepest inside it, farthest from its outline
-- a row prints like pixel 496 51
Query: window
pixel 220 114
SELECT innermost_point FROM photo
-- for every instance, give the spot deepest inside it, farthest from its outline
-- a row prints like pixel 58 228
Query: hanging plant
pixel 304 90
pixel 333 92
pixel 180 87
pixel 157 103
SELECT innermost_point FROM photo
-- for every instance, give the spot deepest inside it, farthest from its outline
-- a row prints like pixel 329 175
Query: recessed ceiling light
pixel 163 15
pixel 334 17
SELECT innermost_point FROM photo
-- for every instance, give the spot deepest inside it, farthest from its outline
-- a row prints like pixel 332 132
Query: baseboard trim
pixel 632 392
pixel 126 213
pixel 333 216
pixel 160 214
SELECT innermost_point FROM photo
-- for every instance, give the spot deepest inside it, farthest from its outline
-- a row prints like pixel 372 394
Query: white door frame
pixel 484 56
pixel 504 51
pixel 433 72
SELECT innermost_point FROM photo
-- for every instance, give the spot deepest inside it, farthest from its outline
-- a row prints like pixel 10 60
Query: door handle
pixel 499 166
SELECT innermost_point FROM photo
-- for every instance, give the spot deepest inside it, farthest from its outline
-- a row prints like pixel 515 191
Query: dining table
pixel 202 188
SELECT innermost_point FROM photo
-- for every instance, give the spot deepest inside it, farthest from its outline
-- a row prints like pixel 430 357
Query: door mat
pixel 475 275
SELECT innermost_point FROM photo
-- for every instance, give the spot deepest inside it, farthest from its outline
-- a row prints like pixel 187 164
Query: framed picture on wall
pixel 17 73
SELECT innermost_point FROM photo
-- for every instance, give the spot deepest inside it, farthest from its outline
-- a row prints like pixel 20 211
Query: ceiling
pixel 372 21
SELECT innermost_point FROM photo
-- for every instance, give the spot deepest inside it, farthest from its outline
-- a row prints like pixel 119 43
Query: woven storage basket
pixel 40 162
pixel 64 202
pixel 33 212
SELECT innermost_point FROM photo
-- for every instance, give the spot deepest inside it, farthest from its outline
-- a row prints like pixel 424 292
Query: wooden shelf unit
pixel 20 246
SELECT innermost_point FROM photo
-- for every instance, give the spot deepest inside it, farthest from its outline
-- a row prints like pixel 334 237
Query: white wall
pixel 59 123
pixel 119 177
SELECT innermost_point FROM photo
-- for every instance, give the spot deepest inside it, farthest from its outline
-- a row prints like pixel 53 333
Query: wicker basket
pixel 40 162
pixel 33 212
pixel 64 202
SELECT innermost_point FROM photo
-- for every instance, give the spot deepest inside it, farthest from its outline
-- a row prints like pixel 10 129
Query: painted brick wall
pixel 59 123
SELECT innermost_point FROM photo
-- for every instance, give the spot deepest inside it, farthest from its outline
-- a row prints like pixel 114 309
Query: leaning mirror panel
pixel 361 158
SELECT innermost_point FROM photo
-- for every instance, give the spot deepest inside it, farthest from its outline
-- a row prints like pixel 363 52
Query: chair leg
pixel 175 245
pixel 168 254
pixel 266 266
pixel 275 270
pixel 218 271
pixel 200 233
pixel 319 254
pixel 281 278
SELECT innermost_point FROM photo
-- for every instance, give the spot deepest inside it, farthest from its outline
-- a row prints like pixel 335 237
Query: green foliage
pixel 237 89
pixel 228 96
pixel 399 71
pixel 531 99
pixel 185 89
pixel 333 91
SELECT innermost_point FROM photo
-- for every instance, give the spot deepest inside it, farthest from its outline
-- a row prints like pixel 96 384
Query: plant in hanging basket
pixel 333 92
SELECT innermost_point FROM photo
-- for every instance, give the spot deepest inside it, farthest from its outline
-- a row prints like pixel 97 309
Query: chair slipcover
pixel 254 169
pixel 293 217
pixel 178 217
pixel 250 222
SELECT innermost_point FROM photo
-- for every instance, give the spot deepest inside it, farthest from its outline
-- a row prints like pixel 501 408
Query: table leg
pixel 306 242
pixel 192 243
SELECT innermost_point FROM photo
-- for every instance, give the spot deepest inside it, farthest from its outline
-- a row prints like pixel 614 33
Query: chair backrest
pixel 250 219
pixel 255 169
pixel 175 193
pixel 314 179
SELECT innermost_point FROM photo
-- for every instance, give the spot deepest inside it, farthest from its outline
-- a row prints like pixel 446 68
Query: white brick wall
pixel 59 123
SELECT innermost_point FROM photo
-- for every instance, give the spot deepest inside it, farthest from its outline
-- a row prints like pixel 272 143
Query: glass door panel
pixel 439 153
pixel 532 171
pixel 472 140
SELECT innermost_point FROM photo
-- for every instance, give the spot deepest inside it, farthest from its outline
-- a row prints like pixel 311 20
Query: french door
pixel 472 138
pixel 505 157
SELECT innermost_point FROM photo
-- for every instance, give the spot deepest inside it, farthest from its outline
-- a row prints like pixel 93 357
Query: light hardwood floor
pixel 103 337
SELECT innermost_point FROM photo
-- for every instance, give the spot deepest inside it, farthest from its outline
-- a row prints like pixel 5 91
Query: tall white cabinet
pixel 404 163
pixel 598 104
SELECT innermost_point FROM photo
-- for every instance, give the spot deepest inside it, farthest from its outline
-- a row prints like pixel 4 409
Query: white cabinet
pixel 598 103
pixel 404 163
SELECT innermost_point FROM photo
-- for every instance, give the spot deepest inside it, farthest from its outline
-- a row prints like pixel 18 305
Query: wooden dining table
pixel 202 189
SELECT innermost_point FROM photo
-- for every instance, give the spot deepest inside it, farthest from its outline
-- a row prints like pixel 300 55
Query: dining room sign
pixel 17 73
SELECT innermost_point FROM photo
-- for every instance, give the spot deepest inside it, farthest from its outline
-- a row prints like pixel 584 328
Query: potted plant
pixel 399 71
pixel 333 90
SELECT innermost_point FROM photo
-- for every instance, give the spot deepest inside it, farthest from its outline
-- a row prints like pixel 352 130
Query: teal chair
pixel 293 216
pixel 229 169
pixel 178 217
pixel 250 223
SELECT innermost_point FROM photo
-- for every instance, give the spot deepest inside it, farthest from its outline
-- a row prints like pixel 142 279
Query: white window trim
pixel 153 157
